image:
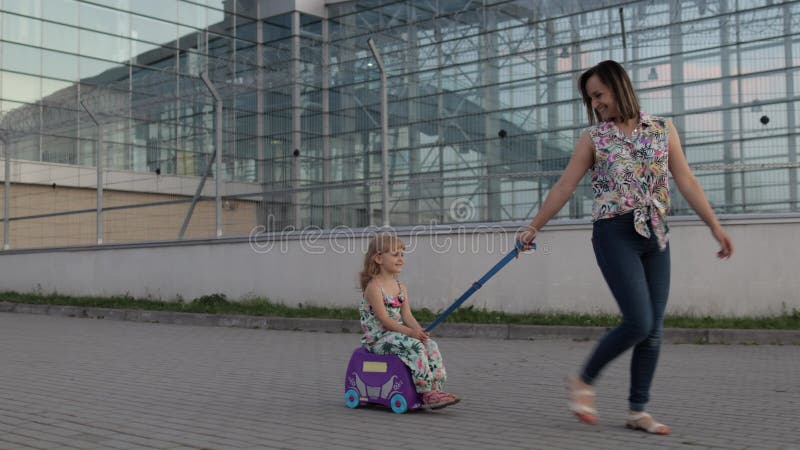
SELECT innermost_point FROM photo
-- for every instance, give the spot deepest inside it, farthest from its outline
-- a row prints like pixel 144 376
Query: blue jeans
pixel 638 275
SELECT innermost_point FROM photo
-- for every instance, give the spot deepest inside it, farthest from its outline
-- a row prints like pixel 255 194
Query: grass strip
pixel 219 304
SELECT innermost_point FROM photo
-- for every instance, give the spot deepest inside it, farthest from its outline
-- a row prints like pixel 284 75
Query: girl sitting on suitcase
pixel 390 327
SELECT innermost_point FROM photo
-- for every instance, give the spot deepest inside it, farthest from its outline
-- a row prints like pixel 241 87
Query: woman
pixel 629 154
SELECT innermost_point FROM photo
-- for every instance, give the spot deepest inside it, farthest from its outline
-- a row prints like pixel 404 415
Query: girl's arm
pixel 693 192
pixel 375 299
pixel 408 316
pixel 581 161
pixel 405 310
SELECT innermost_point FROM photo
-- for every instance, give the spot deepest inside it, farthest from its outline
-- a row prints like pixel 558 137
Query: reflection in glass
pixel 20 29
pixel 60 37
pixel 20 88
pixel 104 20
pixel 459 75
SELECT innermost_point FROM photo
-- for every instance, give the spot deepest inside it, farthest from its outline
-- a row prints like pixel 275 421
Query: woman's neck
pixel 622 122
pixel 629 127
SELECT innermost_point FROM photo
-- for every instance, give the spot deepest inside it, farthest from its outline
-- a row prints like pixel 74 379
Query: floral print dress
pixel 424 359
pixel 632 174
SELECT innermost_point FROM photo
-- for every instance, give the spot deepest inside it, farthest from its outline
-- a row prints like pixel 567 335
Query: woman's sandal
pixel 645 422
pixel 583 412
pixel 438 399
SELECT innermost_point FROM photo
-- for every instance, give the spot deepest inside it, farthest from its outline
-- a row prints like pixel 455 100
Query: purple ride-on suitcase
pixel 379 379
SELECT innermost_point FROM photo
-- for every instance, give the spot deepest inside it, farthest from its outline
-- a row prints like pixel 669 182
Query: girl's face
pixel 390 262
pixel 603 99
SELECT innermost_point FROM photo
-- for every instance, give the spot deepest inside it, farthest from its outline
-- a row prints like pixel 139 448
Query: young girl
pixel 389 326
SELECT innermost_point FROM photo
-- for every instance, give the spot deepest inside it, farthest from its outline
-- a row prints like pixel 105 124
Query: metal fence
pixel 247 122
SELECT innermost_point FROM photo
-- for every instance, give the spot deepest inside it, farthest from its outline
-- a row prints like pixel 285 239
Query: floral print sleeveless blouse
pixel 632 174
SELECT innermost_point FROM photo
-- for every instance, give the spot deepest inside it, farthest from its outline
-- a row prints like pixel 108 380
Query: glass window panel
pixel 191 38
pixel 700 35
pixel 311 25
pixel 21 58
pixel 59 65
pixel 166 10
pixel 763 88
pixel 704 68
pixel 140 50
pixel 759 23
pixel 766 150
pixel 655 43
pixel 21 29
pixel 152 82
pixel 702 127
pixel 704 153
pixel 219 46
pixel 63 11
pixel 152 30
pixel 20 88
pixel 104 46
pixel 192 15
pixel 104 19
pixel 766 186
pixel 90 67
pixel 215 15
pixel 60 37
pixel 761 58
pixel 61 117
pixel 248 32
pixel 566 89
pixel 59 92
pixel 796 53
pixel 704 95
pixel 654 74
pixel 656 101
pixel 26 7
pixel 6 105
pixel 777 122
pixel 278 27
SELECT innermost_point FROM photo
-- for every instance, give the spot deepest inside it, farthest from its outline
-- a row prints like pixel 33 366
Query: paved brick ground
pixel 97 384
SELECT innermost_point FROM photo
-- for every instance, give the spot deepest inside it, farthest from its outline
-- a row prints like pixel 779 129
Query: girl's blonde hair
pixel 613 75
pixel 381 243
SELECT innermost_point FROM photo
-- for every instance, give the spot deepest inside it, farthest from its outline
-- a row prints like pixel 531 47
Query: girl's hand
pixel 725 243
pixel 418 333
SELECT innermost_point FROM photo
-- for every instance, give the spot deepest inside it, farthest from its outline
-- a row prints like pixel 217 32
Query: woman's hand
pixel 725 242
pixel 526 237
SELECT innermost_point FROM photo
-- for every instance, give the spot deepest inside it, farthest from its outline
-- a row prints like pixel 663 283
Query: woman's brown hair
pixel 381 243
pixel 613 75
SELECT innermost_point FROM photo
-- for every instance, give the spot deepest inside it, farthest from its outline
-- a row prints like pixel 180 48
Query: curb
pixel 461 330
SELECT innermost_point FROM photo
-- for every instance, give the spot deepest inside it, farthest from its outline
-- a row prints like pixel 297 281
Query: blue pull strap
pixel 478 284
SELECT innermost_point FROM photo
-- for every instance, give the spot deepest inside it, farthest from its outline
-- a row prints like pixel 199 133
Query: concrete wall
pixel 761 279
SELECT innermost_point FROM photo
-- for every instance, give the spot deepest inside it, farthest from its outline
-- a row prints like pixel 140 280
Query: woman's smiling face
pixel 603 100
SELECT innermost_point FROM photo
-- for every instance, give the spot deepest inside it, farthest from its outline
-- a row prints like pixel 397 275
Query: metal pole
pixel 384 133
pixel 297 119
pixel 218 149
pixel 99 164
pixel 326 126
pixel 197 194
pixel 624 38
pixel 6 191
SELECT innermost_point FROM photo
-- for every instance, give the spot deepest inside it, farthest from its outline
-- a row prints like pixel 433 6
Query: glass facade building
pixel 483 108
